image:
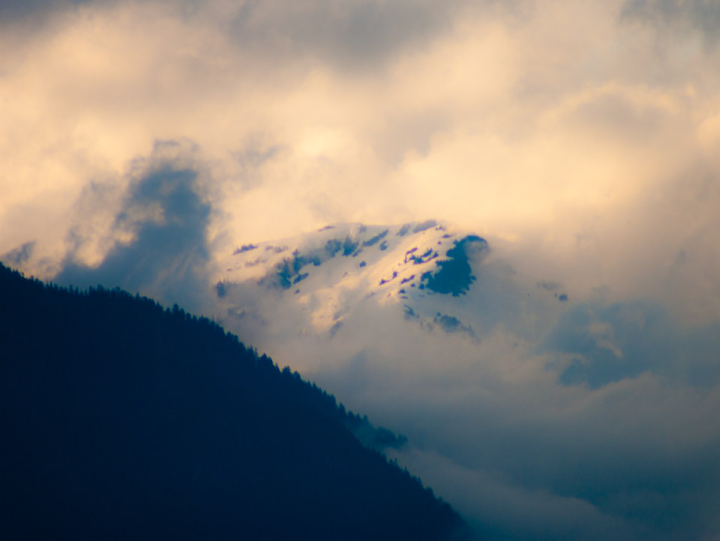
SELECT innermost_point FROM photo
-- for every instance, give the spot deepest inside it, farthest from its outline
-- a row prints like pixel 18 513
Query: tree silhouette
pixel 121 419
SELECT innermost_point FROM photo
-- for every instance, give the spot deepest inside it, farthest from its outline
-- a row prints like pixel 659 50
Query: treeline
pixel 121 419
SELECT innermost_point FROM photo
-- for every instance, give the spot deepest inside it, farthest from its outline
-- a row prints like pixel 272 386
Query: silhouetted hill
pixel 122 420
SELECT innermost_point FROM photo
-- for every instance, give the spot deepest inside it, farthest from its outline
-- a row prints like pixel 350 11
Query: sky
pixel 142 141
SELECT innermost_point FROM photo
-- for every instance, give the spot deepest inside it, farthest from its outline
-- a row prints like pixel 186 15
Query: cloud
pixel 501 510
pixel 700 15
pixel 623 340
pixel 159 239
pixel 351 35
pixel 11 11
pixel 620 460
pixel 493 431
pixel 19 256
pixel 490 103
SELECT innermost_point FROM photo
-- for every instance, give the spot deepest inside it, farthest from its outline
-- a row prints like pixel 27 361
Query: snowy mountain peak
pixel 423 255
pixel 331 272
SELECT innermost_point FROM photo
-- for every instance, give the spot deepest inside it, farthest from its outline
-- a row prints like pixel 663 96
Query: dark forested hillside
pixel 122 420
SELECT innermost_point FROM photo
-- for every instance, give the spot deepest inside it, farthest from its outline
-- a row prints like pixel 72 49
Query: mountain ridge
pixel 124 419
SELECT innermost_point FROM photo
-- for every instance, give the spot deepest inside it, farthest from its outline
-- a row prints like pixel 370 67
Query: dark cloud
pixel 34 11
pixel 627 339
pixel 19 256
pixel 353 34
pixel 168 255
pixel 12 9
pixel 626 457
pixel 627 451
pixel 703 15
pixel 347 33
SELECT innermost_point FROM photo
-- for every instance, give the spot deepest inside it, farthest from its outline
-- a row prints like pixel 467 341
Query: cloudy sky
pixel 142 140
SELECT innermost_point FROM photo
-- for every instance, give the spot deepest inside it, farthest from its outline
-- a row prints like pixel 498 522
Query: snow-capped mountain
pixel 423 272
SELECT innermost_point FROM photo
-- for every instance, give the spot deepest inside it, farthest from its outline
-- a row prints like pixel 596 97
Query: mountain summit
pixel 324 276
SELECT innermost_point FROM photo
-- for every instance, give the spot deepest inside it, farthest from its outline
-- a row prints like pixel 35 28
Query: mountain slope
pixel 123 420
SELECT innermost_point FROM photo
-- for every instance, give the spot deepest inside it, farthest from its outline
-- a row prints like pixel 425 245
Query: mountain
pixel 124 420
pixel 427 327
pixel 316 283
